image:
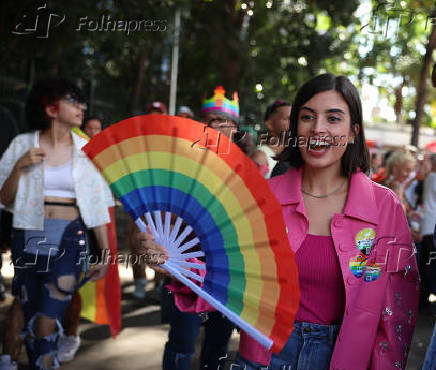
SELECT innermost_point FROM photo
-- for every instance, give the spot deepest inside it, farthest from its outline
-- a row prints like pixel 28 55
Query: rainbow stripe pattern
pixel 219 104
pixel 101 299
pixel 179 166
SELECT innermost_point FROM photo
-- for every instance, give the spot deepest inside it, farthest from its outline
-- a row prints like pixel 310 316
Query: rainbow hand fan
pixel 162 165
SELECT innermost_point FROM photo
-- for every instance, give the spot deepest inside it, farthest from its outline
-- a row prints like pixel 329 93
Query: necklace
pixel 326 195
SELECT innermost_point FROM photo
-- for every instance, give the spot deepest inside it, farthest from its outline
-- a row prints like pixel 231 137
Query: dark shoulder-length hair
pixel 46 92
pixel 356 155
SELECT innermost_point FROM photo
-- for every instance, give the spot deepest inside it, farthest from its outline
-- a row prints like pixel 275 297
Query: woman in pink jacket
pixel 357 270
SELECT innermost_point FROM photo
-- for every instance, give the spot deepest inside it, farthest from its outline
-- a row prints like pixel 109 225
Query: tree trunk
pixel 139 79
pixel 231 62
pixel 398 106
pixel 422 87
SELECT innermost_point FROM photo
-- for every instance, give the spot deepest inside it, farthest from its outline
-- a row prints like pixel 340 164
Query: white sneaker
pixel 7 364
pixel 140 285
pixel 67 347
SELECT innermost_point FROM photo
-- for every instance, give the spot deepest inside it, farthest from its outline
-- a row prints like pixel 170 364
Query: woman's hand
pixel 155 254
pixel 98 271
pixel 32 157
pixel 10 186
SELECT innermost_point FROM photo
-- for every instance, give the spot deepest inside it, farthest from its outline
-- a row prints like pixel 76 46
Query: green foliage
pixel 277 44
pixel 393 44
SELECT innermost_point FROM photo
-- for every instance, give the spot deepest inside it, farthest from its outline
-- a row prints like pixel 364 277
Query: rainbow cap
pixel 219 104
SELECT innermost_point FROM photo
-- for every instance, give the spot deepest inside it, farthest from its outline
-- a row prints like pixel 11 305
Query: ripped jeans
pixel 47 270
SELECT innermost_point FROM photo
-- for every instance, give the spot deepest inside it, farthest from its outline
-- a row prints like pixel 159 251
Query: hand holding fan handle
pixel 253 332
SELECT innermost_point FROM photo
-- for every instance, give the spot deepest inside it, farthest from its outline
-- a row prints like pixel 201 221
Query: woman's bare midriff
pixel 61 212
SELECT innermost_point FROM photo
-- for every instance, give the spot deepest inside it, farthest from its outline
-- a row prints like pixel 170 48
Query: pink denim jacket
pixel 377 258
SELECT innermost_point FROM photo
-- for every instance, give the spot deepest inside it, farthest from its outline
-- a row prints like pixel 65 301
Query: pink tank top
pixel 322 288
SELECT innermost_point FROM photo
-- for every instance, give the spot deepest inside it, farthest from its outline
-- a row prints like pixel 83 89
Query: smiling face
pixel 324 129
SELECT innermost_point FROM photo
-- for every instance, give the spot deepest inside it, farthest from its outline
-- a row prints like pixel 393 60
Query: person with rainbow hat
pixel 221 113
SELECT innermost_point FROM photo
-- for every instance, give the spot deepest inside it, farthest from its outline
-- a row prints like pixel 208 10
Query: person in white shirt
pixel 55 193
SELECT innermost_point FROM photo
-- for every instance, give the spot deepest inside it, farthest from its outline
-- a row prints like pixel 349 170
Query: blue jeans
pixel 47 269
pixel 309 347
pixel 430 356
pixel 184 328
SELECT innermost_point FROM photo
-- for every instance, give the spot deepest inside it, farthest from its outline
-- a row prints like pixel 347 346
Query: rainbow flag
pixel 101 300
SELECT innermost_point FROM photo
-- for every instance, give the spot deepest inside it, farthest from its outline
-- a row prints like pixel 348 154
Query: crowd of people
pixel 361 228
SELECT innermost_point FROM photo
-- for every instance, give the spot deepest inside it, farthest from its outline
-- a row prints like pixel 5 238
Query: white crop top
pixel 58 181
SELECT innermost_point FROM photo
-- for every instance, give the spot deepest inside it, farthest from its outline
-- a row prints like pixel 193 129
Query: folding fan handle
pixel 249 329
pixel 252 331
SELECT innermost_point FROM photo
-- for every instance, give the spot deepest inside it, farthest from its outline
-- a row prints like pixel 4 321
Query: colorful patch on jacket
pixel 372 272
pixel 365 240
pixel 360 266
pixel 357 265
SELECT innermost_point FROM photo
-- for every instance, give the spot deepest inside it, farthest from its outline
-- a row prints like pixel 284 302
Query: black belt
pixel 60 204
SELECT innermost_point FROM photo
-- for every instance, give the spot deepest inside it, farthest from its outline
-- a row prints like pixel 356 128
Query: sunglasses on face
pixel 75 102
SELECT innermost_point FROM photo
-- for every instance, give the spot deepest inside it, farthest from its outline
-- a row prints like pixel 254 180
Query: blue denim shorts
pixel 309 347
pixel 44 257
